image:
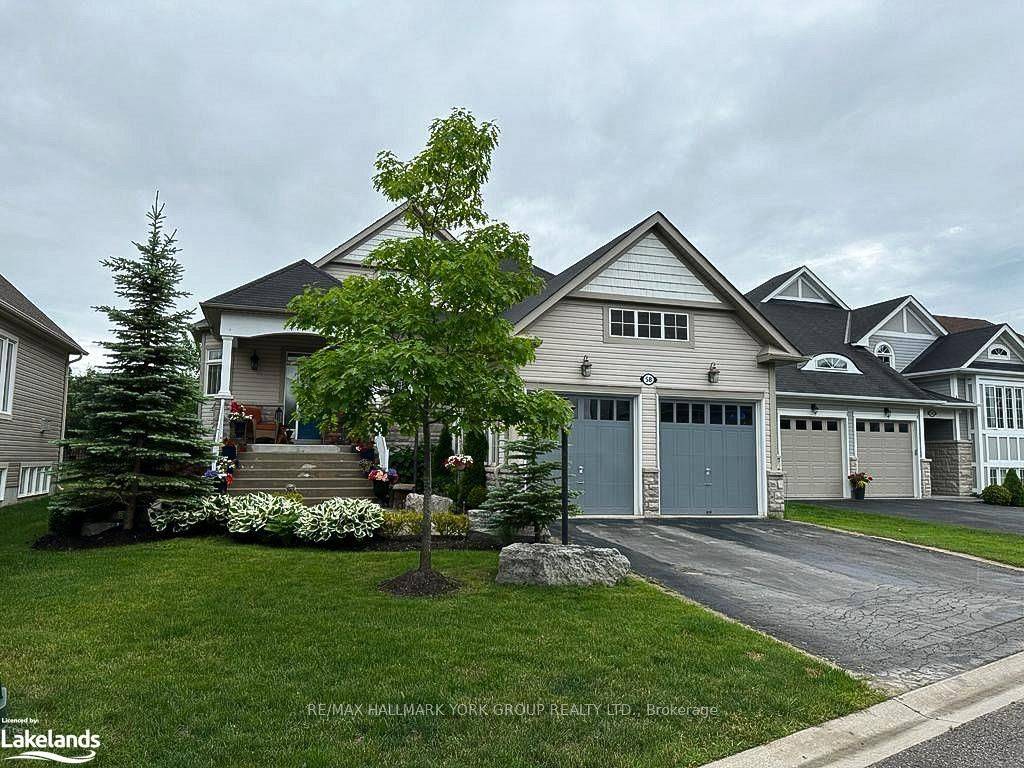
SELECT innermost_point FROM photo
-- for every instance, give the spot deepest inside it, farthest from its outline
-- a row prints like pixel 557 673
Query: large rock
pixel 560 565
pixel 437 503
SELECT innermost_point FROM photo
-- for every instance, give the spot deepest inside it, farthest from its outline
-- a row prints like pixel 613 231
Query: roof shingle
pixel 19 304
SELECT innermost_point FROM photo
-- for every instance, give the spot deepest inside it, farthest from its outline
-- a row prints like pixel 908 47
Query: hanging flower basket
pixel 458 462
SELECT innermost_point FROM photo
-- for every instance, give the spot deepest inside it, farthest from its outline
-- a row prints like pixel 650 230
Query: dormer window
pixel 999 352
pixel 830 363
pixel 883 352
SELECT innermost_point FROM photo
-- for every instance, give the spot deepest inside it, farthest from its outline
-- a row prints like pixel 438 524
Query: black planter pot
pixel 858 493
pixel 381 489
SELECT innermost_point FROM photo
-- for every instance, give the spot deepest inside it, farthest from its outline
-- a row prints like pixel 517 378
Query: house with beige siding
pixel 669 368
pixel 35 355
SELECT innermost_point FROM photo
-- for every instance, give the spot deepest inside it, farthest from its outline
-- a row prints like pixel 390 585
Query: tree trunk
pixel 415 458
pixel 427 494
pixel 129 512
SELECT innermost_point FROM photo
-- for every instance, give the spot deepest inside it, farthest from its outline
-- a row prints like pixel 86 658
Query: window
pixel 1004 407
pixel 726 414
pixel 833 426
pixel 830 362
pixel 213 368
pixel 34 480
pixel 8 362
pixel 884 353
pixel 785 424
pixel 645 324
pixel 999 352
pixel 605 409
pixel 493 448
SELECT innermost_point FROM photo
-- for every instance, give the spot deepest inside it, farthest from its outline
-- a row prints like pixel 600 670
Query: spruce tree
pixel 144 442
pixel 529 489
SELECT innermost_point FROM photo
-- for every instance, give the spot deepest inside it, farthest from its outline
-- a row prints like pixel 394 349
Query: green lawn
pixel 991 545
pixel 205 652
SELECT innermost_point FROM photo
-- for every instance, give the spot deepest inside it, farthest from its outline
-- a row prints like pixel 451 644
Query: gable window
pixel 831 363
pixel 999 352
pixel 907 322
pixel 645 324
pixel 884 353
pixel 213 370
pixel 8 362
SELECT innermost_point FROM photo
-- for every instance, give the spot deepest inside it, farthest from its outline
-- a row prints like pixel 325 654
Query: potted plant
pixel 382 482
pixel 239 419
pixel 859 483
pixel 456 463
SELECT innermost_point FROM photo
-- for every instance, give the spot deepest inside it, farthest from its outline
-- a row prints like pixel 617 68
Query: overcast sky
pixel 880 143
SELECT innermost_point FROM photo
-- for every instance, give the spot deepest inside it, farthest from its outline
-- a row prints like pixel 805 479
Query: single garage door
pixel 708 454
pixel 601 454
pixel 885 450
pixel 812 458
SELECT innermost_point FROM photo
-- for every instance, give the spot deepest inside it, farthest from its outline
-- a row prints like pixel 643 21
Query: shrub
pixel 475 475
pixel 449 524
pixel 439 453
pixel 476 496
pixel 402 461
pixel 251 513
pixel 392 524
pixel 413 523
pixel 184 515
pixel 996 494
pixel 1013 484
pixel 338 518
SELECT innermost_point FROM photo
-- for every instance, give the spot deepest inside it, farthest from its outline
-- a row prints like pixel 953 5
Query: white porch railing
pixel 383 454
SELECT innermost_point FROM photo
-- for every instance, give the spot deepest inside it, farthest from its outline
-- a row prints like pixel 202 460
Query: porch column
pixel 227 344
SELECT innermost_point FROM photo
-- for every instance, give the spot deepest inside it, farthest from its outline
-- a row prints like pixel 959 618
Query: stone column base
pixel 926 478
pixel 651 492
pixel 776 494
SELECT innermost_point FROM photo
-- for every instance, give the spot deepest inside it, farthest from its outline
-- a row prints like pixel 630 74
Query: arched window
pixel 830 362
pixel 999 352
pixel 884 353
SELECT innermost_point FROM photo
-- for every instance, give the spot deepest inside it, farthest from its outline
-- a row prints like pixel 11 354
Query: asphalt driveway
pixel 901 615
pixel 969 512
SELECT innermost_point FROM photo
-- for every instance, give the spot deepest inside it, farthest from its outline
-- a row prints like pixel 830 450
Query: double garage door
pixel 707 451
pixel 812 457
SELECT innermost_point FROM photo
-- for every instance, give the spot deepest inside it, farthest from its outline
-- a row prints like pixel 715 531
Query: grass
pixel 1001 547
pixel 205 652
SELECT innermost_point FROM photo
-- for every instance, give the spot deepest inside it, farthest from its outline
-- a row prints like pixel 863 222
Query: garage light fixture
pixel 585 367
pixel 887 412
pixel 713 373
pixel 254 361
pixel 814 408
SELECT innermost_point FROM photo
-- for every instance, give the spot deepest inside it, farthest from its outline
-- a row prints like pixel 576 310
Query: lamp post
pixel 565 486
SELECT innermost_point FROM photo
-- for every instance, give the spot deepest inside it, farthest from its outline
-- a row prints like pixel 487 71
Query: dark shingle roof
pixel 952 350
pixel 771 284
pixel 864 319
pixel 19 305
pixel 819 328
pixel 957 324
pixel 275 290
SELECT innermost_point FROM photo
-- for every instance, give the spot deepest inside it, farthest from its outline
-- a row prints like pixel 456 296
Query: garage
pixel 885 450
pixel 708 456
pixel 812 457
pixel 601 454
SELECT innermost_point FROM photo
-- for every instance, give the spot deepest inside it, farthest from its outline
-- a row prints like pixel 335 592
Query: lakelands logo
pixel 37 746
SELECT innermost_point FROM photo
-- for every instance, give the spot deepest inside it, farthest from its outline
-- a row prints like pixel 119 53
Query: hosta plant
pixel 339 518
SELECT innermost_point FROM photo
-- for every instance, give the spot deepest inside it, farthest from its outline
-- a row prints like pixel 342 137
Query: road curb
pixel 863 738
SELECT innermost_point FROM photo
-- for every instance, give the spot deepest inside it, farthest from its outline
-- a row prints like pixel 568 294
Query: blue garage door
pixel 601 454
pixel 708 458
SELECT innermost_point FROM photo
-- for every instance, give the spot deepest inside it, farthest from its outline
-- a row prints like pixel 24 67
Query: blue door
pixel 302 431
pixel 708 454
pixel 601 454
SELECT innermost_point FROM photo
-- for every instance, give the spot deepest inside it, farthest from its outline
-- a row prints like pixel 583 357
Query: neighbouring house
pixel 35 355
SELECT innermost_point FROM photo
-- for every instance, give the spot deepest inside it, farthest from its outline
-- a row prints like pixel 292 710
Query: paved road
pixel 902 615
pixel 969 512
pixel 992 741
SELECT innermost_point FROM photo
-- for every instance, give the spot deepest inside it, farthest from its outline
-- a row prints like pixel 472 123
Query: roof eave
pixel 67 343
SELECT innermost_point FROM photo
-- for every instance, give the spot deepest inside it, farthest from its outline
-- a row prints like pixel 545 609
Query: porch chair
pixel 264 427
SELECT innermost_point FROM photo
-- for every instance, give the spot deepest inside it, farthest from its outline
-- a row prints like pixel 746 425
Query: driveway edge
pixel 863 738
pixel 964 555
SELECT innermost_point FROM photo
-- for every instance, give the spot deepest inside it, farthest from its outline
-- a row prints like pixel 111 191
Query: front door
pixel 601 454
pixel 302 431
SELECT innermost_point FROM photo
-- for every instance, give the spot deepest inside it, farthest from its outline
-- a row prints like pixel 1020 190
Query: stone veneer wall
pixel 776 494
pixel 952 464
pixel 926 478
pixel 651 492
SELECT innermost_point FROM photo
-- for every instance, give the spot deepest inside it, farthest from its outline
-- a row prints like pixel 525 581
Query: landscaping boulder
pixel 437 503
pixel 560 565
pixel 91 530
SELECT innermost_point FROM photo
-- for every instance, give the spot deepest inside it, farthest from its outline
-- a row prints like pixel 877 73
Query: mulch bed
pixel 115 537
pixel 419 583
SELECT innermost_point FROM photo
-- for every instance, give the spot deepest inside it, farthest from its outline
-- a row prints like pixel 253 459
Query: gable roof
pixel 576 274
pixel 817 328
pixel 863 320
pixel 956 324
pixel 774 287
pixel 957 350
pixel 339 251
pixel 19 306
pixel 274 291
pixel 771 285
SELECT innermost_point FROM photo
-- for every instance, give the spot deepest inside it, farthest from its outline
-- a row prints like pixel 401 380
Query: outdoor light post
pixel 565 486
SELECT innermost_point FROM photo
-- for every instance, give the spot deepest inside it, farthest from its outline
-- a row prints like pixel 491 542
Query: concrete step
pixel 250 470
pixel 359 483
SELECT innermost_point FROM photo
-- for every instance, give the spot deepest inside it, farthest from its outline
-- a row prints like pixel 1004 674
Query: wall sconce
pixel 713 373
pixel 887 412
pixel 254 361
pixel 814 408
pixel 585 367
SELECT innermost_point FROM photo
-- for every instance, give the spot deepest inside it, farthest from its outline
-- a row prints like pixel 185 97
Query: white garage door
pixel 812 457
pixel 886 452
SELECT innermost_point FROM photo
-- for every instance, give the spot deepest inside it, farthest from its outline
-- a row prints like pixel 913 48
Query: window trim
pixel 891 353
pixel 8 339
pixel 208 362
pixel 812 364
pixel 609 337
pixel 44 478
